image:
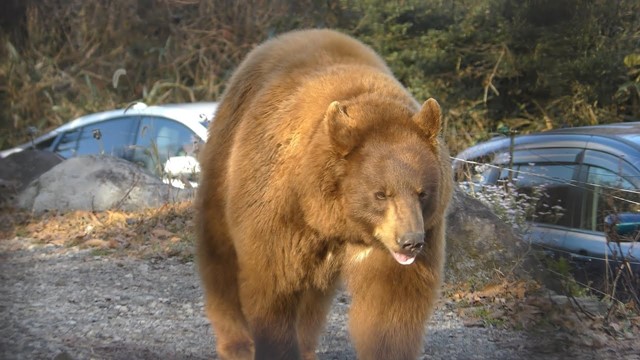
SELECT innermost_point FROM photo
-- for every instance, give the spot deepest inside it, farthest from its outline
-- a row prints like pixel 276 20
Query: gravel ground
pixel 62 304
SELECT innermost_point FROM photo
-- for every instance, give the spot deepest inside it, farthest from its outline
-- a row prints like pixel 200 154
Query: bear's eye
pixel 422 195
pixel 380 195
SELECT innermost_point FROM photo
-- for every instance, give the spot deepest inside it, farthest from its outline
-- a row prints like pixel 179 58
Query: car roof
pixel 619 138
pixel 629 131
pixel 195 116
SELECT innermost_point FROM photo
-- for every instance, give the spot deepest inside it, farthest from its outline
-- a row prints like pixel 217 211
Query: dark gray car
pixel 592 173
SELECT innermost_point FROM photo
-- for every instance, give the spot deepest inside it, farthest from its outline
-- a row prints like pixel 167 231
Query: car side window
pixel 608 189
pixel 554 182
pixel 159 139
pixel 546 174
pixel 111 137
pixel 68 144
pixel 473 170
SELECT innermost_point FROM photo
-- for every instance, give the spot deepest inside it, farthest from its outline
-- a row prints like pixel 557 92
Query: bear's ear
pixel 429 118
pixel 340 127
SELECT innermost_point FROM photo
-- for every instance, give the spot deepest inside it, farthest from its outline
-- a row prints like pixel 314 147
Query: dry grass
pixel 162 232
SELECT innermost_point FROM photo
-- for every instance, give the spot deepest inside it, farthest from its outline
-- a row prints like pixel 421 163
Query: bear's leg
pixel 271 315
pixel 311 319
pixel 390 305
pixel 218 270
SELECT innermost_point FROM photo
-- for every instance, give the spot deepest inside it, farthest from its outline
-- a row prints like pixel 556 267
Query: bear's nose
pixel 412 242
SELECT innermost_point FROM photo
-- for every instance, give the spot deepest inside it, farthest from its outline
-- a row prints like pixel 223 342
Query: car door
pixel 609 185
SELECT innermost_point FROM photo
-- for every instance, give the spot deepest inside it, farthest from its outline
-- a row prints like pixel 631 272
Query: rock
pixel 98 183
pixel 589 304
pixel 479 244
pixel 19 169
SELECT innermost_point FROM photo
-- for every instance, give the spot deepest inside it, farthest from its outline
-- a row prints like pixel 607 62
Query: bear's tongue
pixel 403 259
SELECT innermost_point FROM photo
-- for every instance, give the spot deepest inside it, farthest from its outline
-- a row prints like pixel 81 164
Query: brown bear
pixel 321 168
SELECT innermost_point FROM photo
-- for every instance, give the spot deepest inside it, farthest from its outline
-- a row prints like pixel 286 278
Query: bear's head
pixel 392 172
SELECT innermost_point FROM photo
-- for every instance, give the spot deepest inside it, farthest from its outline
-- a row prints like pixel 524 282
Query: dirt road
pixel 60 303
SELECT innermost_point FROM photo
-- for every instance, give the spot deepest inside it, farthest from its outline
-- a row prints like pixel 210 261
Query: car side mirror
pixel 623 227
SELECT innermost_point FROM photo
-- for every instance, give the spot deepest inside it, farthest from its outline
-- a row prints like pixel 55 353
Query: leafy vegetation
pixel 534 64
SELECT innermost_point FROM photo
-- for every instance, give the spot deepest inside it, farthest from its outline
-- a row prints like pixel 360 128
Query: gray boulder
pixel 480 246
pixel 98 183
pixel 19 169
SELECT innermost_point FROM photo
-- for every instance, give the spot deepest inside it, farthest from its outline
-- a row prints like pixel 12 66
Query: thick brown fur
pixel 318 167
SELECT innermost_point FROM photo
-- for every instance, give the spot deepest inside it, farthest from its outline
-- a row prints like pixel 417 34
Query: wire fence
pixel 583 185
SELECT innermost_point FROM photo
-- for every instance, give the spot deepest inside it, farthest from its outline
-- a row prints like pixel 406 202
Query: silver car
pixel 162 139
